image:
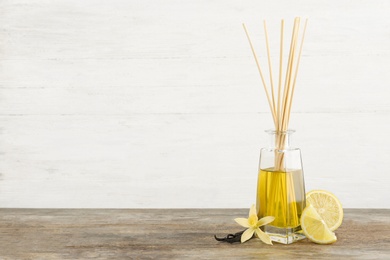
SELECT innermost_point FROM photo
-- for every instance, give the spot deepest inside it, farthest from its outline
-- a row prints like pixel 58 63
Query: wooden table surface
pixel 173 234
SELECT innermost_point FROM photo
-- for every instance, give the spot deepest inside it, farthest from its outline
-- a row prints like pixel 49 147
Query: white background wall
pixel 146 104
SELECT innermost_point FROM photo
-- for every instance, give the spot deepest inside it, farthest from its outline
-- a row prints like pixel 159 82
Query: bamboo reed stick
pixel 297 68
pixel 270 69
pixel 281 138
pixel 280 75
pixel 287 93
pixel 261 73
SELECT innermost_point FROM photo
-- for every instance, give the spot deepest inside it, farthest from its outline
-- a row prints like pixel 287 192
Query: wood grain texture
pixel 129 103
pixel 173 234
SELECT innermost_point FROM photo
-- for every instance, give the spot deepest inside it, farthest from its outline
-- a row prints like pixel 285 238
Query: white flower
pixel 253 224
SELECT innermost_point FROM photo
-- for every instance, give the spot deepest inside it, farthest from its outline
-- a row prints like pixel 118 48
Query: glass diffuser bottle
pixel 281 188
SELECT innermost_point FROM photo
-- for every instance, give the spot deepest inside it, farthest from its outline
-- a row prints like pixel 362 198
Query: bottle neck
pixel 280 140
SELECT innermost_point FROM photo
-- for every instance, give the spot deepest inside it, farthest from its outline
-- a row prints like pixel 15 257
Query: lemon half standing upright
pixel 327 206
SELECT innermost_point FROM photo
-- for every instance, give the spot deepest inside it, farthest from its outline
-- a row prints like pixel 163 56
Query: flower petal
pixel 252 211
pixel 242 221
pixel 248 234
pixel 263 236
pixel 265 221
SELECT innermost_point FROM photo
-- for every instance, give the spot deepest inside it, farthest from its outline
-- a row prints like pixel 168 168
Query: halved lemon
pixel 315 228
pixel 327 206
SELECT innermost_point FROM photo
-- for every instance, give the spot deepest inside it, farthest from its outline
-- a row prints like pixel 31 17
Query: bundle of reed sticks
pixel 280 102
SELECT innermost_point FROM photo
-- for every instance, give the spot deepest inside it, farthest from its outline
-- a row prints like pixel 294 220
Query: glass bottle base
pixel 284 235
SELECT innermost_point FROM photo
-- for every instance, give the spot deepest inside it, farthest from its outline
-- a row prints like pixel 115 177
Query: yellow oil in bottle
pixel 281 194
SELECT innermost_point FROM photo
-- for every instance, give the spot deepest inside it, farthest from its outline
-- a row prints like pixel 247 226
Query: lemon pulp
pixel 327 206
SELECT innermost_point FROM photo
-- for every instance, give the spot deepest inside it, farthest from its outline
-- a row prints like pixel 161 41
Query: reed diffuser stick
pixel 261 73
pixel 280 75
pixel 296 69
pixel 270 68
pixel 287 83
